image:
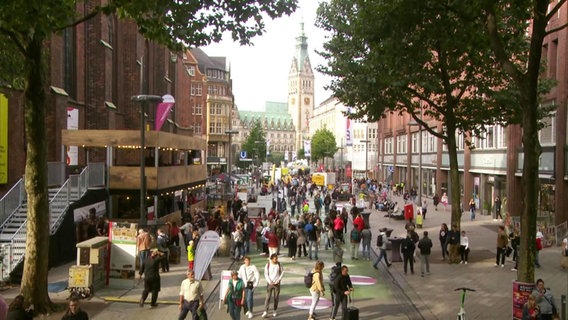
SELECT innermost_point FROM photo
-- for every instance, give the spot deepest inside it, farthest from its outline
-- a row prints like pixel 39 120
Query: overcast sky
pixel 260 72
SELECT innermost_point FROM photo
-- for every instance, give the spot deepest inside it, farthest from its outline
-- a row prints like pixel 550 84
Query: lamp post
pixel 412 123
pixel 230 133
pixel 366 142
pixel 144 101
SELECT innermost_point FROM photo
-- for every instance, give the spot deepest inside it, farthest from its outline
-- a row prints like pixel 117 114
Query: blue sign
pixel 391 169
pixel 243 154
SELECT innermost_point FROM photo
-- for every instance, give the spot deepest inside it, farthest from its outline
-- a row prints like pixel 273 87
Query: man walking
pixel 407 248
pixel 342 287
pixel 190 296
pixel 251 277
pixel 425 246
pixel 162 242
pixel 273 273
pixel 143 245
pixel 151 272
pixel 382 244
pixel 502 242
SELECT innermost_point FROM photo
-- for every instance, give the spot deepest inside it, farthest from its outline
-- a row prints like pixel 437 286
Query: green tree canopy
pixel 323 144
pixel 418 57
pixel 26 28
pixel 506 23
pixel 255 143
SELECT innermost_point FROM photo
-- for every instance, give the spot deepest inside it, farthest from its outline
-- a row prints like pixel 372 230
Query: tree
pixel 505 19
pixel 415 57
pixel 255 143
pixel 175 24
pixel 323 144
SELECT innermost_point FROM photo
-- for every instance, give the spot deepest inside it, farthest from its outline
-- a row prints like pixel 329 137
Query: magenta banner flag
pixel 163 110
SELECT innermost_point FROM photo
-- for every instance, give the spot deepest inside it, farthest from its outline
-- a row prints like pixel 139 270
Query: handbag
pixel 554 311
pixel 238 302
pixel 508 251
pixel 250 285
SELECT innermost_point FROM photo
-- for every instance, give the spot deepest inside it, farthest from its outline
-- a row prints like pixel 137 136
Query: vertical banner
pixel 163 110
pixel 3 139
pixel 206 248
pixel 286 156
pixel 122 271
pixel 294 156
pixel 521 293
pixel 72 154
pixel 307 148
pixel 267 147
pixel 348 131
pixel 225 278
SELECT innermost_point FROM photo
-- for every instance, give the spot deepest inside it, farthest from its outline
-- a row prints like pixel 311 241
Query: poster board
pixel 521 293
pixel 208 244
pixel 122 268
pixel 225 278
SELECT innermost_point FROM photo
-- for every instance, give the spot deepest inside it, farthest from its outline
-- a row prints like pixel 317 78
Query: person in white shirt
pixel 273 272
pixel 464 247
pixel 251 277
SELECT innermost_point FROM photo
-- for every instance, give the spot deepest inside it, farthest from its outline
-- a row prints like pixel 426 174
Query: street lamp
pixel 144 101
pixel 412 123
pixel 230 133
pixel 366 142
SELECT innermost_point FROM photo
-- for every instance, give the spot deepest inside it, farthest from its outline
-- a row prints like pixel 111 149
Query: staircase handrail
pixel 12 201
pixel 59 197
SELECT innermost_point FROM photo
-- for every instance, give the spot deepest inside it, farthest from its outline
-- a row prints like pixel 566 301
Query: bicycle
pixel 461 313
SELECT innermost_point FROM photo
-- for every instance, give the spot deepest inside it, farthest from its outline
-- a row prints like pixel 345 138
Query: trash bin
pixel 395 252
pixel 408 211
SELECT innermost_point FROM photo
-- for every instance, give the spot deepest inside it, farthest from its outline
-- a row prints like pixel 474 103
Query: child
pixel 190 254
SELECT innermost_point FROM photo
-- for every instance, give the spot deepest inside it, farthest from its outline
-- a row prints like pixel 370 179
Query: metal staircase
pixel 13 212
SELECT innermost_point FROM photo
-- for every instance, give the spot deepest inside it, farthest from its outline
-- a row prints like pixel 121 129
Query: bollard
pixel 563 307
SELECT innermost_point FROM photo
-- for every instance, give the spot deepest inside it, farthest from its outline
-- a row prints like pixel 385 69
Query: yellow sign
pixel 3 139
pixel 318 179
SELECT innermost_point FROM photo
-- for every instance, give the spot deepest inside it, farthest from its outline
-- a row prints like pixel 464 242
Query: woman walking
pixel 443 236
pixel 234 296
pixel 317 289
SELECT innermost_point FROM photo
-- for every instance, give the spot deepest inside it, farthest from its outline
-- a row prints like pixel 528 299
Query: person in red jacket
pixel 338 226
pixel 359 222
pixel 273 242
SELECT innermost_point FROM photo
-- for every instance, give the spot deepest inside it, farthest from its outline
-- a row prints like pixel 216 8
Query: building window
pixel 501 137
pixel 389 145
pixel 197 128
pixel 197 109
pixel 415 142
pixel 196 89
pixel 219 108
pixel 212 127
pixel 546 135
pixel 219 128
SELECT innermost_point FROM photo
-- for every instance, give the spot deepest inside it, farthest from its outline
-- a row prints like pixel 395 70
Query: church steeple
pixel 301 56
pixel 301 89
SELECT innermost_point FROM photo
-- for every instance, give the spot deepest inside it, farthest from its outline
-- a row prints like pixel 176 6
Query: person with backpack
pixel 407 248
pixel 273 273
pixel 382 244
pixel 311 234
pixel 316 287
pixel 334 272
pixel 342 287
pixel 338 228
pixel 355 242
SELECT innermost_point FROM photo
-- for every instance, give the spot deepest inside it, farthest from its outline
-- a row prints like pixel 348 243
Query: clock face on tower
pixel 306 100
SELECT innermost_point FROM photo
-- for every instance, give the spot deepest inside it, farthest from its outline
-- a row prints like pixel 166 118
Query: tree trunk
pixel 530 183
pixel 34 280
pixel 454 173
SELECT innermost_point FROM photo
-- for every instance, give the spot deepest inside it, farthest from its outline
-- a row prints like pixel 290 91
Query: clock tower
pixel 301 90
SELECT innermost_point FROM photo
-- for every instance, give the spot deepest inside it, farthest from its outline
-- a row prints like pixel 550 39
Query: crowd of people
pixel 314 222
